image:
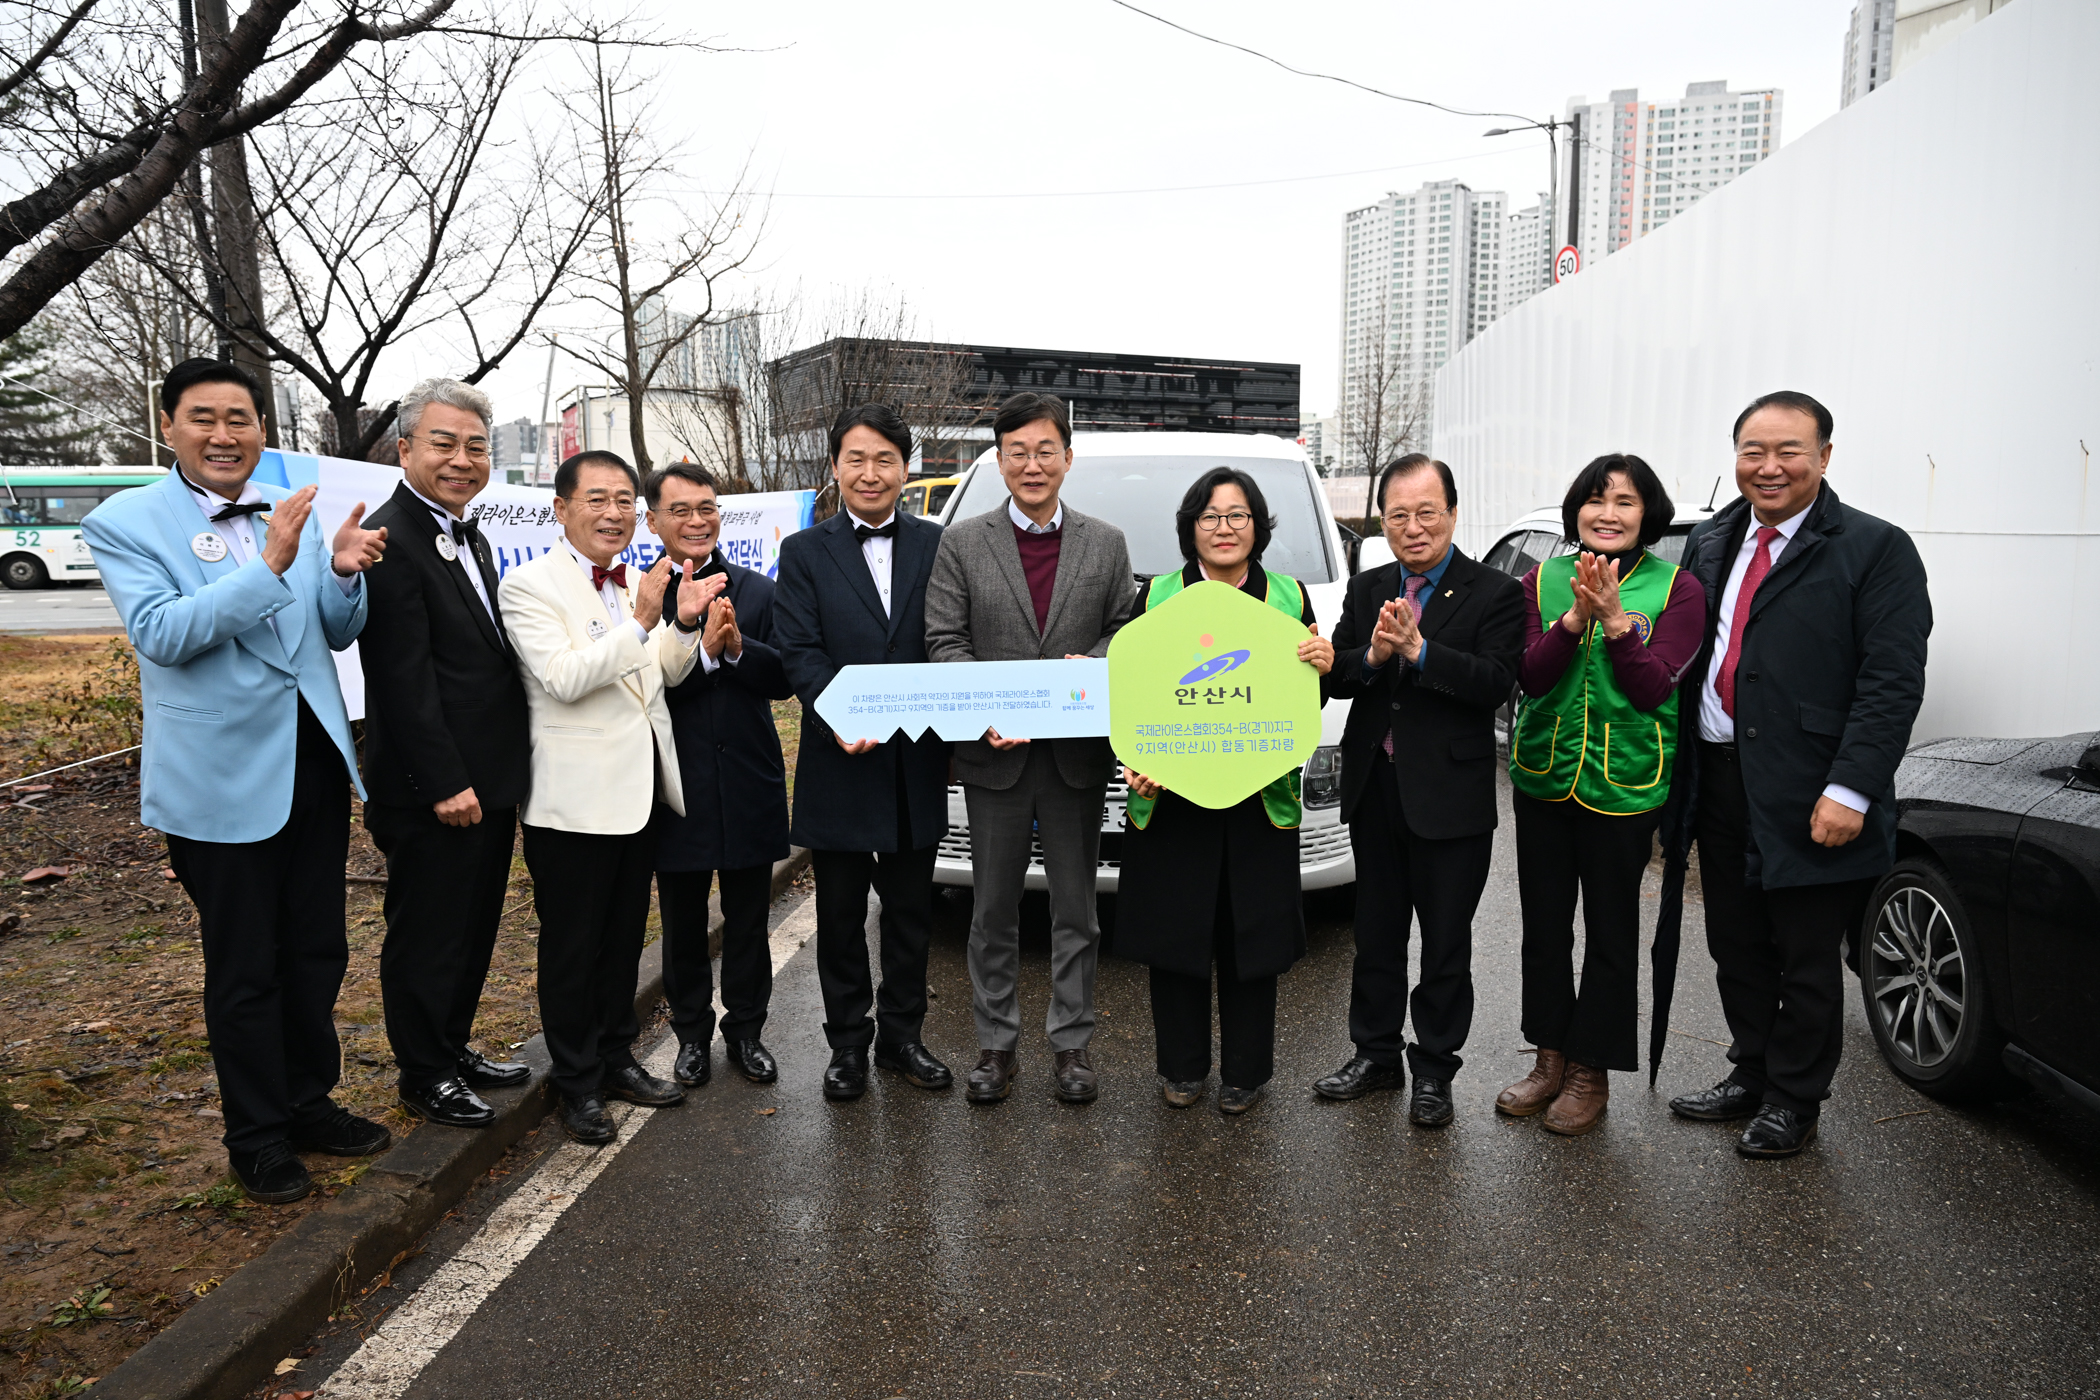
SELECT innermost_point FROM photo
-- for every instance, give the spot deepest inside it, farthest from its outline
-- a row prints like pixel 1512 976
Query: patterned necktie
pixel 617 573
pixel 1760 565
pixel 1415 584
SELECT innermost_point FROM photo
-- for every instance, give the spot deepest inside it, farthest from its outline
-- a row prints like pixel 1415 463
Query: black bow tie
pixel 466 532
pixel 864 533
pixel 251 508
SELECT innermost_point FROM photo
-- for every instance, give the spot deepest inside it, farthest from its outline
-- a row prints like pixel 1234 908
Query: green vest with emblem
pixel 1280 798
pixel 1584 739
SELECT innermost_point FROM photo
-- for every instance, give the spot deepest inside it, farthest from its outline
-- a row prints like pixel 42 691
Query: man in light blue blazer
pixel 233 604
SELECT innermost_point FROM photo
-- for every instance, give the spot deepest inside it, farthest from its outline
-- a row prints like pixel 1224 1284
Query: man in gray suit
pixel 1031 580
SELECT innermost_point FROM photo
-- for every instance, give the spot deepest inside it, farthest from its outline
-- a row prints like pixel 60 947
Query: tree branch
pixel 35 61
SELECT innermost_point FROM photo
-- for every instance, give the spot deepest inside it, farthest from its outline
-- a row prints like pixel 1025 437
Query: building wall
pixel 1957 354
pixel 1631 165
pixel 1869 48
pixel 1921 26
pixel 1527 254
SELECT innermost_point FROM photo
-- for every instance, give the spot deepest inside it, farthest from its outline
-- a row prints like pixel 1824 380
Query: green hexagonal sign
pixel 1206 694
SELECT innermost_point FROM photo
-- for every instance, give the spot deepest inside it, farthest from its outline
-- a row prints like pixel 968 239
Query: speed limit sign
pixel 1566 263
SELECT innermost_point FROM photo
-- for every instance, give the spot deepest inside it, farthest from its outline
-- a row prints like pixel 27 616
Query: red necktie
pixel 1415 584
pixel 617 573
pixel 1760 565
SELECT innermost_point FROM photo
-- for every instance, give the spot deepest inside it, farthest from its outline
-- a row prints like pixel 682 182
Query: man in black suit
pixel 447 755
pixel 1811 676
pixel 1426 648
pixel 736 808
pixel 853 592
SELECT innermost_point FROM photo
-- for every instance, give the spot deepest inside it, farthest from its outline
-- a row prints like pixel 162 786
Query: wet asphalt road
pixel 914 1245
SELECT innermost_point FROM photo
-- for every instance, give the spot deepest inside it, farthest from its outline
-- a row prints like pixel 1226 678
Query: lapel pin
pixel 208 547
pixel 1447 593
pixel 447 550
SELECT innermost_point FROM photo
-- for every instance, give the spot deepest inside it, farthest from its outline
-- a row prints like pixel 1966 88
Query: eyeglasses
pixel 1211 521
pixel 444 444
pixel 1426 517
pixel 598 503
pixel 683 512
pixel 1045 457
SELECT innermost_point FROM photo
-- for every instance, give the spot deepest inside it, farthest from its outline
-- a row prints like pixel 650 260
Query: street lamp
pixel 1551 126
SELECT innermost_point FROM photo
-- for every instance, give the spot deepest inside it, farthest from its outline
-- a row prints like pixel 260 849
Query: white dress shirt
pixel 240 535
pixel 877 552
pixel 466 558
pixel 609 594
pixel 1029 527
pixel 1716 725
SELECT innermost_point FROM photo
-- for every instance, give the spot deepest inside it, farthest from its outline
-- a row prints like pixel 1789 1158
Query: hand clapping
pixel 695 595
pixel 1597 596
pixel 721 636
pixel 1396 631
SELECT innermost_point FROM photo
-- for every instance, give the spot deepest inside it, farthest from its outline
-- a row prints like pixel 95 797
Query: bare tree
pixel 1386 394
pixel 630 278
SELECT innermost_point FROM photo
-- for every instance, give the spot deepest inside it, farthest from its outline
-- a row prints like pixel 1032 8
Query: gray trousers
pixel 1003 822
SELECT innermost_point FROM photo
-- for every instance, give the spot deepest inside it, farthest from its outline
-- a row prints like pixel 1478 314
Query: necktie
pixel 1415 584
pixel 864 533
pixel 1760 565
pixel 617 573
pixel 251 508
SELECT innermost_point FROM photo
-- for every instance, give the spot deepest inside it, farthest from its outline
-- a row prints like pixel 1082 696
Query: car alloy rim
pixel 1914 966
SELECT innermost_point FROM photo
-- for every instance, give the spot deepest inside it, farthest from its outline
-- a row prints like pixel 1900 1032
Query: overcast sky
pixel 975 158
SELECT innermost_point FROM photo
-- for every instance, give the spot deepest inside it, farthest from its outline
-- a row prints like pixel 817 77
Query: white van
pixel 1135 481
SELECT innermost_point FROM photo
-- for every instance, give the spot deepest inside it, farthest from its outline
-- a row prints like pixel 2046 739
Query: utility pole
pixel 239 262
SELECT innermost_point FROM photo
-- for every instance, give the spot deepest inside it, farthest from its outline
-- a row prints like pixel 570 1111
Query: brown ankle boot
pixel 1536 1089
pixel 1583 1095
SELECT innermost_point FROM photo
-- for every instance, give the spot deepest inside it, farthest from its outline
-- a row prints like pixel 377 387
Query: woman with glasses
pixel 1609 631
pixel 1203 888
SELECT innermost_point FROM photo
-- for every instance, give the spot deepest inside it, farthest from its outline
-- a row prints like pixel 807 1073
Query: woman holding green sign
pixel 1203 887
pixel 1608 634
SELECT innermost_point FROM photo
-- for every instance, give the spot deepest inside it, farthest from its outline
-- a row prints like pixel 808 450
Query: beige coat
pixel 601 736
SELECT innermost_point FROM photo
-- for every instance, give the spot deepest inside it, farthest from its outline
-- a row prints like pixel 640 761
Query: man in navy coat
pixel 853 592
pixel 736 810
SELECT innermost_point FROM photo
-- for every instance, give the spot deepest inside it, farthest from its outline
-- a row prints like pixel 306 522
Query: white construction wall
pixel 1926 263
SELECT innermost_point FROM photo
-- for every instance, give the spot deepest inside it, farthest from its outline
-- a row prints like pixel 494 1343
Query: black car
pixel 1979 952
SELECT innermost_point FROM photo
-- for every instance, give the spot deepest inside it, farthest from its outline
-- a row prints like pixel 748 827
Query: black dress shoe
pixel 695 1064
pixel 1076 1080
pixel 637 1085
pixel 1431 1105
pixel 916 1063
pixel 993 1079
pixel 846 1077
pixel 1725 1101
pixel 341 1134
pixel 1359 1077
pixel 753 1061
pixel 449 1101
pixel 481 1072
pixel 271 1176
pixel 1233 1101
pixel 1181 1093
pixel 1777 1132
pixel 585 1119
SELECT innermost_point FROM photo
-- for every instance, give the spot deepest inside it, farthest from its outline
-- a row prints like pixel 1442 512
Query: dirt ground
pixel 116 1208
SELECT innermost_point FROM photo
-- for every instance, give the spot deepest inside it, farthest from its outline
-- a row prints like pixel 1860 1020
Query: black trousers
pixel 1246 1015
pixel 271 916
pixel 1401 877
pixel 903 880
pixel 444 897
pixel 747 956
pixel 1778 953
pixel 1562 847
pixel 592 896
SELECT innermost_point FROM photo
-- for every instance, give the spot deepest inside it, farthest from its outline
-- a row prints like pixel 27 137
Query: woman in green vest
pixel 1610 630
pixel 1201 887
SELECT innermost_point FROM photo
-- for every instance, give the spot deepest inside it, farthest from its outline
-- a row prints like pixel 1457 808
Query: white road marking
pixel 412 1336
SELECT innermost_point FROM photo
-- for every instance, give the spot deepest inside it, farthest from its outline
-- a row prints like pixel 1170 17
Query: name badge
pixel 208 547
pixel 447 548
pixel 595 627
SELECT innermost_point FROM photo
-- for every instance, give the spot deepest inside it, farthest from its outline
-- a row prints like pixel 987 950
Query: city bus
pixel 40 513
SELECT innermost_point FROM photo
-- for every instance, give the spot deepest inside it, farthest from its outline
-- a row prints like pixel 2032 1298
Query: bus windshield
pixel 1139 496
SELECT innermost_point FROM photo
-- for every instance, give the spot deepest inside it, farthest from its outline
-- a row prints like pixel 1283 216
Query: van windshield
pixel 1139 496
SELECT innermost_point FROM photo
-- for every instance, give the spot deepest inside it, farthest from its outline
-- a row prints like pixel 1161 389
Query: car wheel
pixel 19 571
pixel 1927 995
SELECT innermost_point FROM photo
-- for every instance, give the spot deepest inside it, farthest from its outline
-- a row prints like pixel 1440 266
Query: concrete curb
pixel 231 1340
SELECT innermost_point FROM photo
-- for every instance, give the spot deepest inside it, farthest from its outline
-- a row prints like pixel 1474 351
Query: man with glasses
pixel 1426 650
pixel 595 653
pixel 736 810
pixel 1031 580
pixel 447 757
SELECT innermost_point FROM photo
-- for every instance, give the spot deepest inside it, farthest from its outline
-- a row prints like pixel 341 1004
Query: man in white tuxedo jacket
pixel 596 652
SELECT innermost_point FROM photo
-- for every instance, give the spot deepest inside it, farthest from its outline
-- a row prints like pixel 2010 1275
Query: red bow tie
pixel 617 573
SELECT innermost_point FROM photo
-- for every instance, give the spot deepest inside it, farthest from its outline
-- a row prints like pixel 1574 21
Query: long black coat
pixel 826 616
pixel 1828 685
pixel 736 809
pixel 444 707
pixel 1443 716
pixel 1175 869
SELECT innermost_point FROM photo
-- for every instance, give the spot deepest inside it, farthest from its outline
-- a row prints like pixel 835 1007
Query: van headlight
pixel 1321 783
